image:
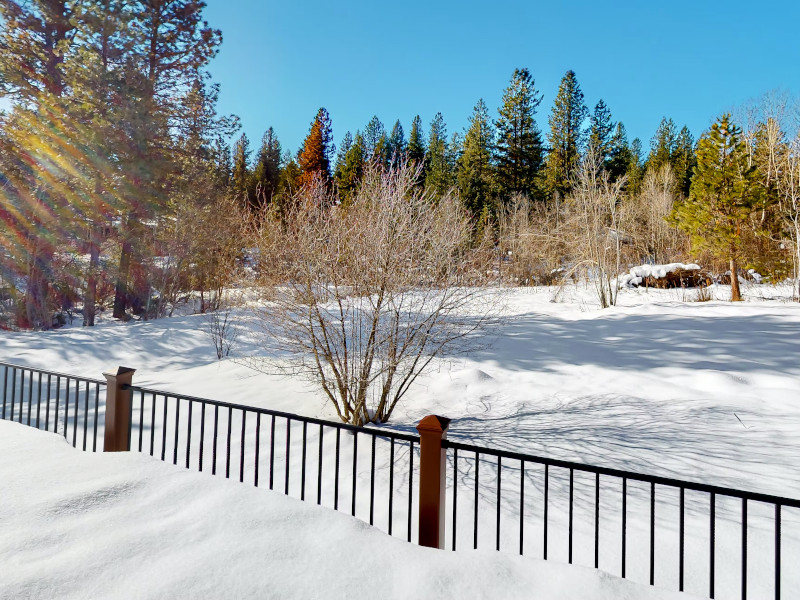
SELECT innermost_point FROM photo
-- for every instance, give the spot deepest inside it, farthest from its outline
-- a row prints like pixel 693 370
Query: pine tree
pixel 662 145
pixel 416 146
pixel 396 144
pixel 723 193
pixel 518 151
pixel 242 177
pixel 266 174
pixel 619 155
pixel 600 130
pixel 314 156
pixel 351 168
pixel 566 136
pixel 475 166
pixel 636 169
pixel 375 140
pixel 683 159
pixel 438 175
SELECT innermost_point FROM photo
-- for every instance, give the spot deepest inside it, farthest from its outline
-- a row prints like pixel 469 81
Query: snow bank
pixel 638 274
pixel 80 525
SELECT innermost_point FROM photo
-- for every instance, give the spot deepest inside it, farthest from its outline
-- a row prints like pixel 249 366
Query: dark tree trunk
pixel 736 295
pixel 121 292
pixel 90 299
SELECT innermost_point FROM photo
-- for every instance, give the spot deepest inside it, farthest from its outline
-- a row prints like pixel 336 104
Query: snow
pixel 639 273
pixel 700 391
pixel 82 525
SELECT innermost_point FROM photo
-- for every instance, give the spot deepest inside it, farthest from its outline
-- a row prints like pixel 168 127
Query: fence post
pixel 118 410
pixel 432 457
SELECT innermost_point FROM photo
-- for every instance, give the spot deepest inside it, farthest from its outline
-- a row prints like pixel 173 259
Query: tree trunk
pixel 121 295
pixel 89 301
pixel 736 295
pixel 37 309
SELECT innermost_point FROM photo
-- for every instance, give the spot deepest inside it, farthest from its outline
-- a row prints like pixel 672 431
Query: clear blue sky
pixel 689 60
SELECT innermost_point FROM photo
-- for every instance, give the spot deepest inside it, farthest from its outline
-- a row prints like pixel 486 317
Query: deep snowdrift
pixel 81 525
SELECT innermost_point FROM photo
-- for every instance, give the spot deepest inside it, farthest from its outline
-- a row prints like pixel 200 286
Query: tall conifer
pixel 566 135
pixel 475 164
pixel 314 157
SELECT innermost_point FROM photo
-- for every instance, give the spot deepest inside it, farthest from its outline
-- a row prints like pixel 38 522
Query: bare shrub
pixel 219 323
pixel 361 298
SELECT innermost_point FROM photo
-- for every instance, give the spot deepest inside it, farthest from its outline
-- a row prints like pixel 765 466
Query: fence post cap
pixel 117 371
pixel 433 424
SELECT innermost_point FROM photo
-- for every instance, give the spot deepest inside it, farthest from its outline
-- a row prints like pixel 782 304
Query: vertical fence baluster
pixel 652 533
pixel 14 393
pixel 177 429
pixel 214 441
pixel 86 414
pixel 241 448
pixel 391 481
pixel 777 552
pixel 153 423
pixel 271 451
pixel 258 446
pixel 303 464
pixel 96 409
pixel 141 417
pixel 712 541
pixel 47 404
pixel 288 438
pixel 228 444
pixel 336 472
pixel 164 429
pixel 30 398
pixel 39 402
pixel 189 435
pixel 546 505
pixel 682 539
pixel 319 468
pixel 571 497
pixel 202 436
pixel 75 415
pixel 372 483
pixel 5 388
pixel 455 494
pixel 410 484
pixel 624 522
pixel 58 396
pixel 475 505
pixel 744 548
pixel 355 472
pixel 521 504
pixel 597 520
pixel 499 474
pixel 66 406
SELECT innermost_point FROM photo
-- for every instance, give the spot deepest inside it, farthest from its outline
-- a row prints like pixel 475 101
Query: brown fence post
pixel 118 410
pixel 432 430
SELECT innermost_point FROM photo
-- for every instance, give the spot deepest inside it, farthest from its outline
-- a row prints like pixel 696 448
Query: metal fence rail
pixel 500 462
pixel 311 459
pixel 58 402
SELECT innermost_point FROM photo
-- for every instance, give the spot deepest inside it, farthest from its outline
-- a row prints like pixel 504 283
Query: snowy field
pixel 708 392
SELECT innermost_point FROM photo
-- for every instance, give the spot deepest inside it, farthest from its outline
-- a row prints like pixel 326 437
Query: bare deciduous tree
pixel 361 298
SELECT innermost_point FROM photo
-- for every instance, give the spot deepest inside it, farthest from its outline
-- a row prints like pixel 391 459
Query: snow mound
pixel 638 274
pixel 82 525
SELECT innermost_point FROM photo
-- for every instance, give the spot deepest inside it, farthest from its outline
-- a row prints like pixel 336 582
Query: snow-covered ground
pixel 705 391
pixel 82 525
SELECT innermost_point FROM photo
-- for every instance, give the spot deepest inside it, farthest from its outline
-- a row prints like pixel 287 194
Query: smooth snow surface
pixel 82 525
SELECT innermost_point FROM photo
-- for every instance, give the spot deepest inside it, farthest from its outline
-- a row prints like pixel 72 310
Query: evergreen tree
pixel 351 169
pixel 375 140
pixel 241 178
pixel 344 146
pixel 683 159
pixel 396 144
pixel 636 167
pixel 723 193
pixel 518 150
pixel 416 145
pixel 663 144
pixel 566 135
pixel 438 175
pixel 474 172
pixel 619 155
pixel 600 131
pixel 314 156
pixel 266 174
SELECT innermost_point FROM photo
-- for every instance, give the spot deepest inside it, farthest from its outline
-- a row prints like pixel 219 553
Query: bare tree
pixel 220 324
pixel 789 195
pixel 361 298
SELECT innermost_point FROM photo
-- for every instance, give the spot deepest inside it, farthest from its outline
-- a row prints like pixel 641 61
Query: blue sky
pixel 689 60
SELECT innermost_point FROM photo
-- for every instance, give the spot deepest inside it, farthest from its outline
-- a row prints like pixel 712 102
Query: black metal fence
pixel 677 534
pixel 65 404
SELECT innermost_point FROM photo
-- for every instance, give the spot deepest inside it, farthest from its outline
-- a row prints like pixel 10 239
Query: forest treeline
pixel 120 189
